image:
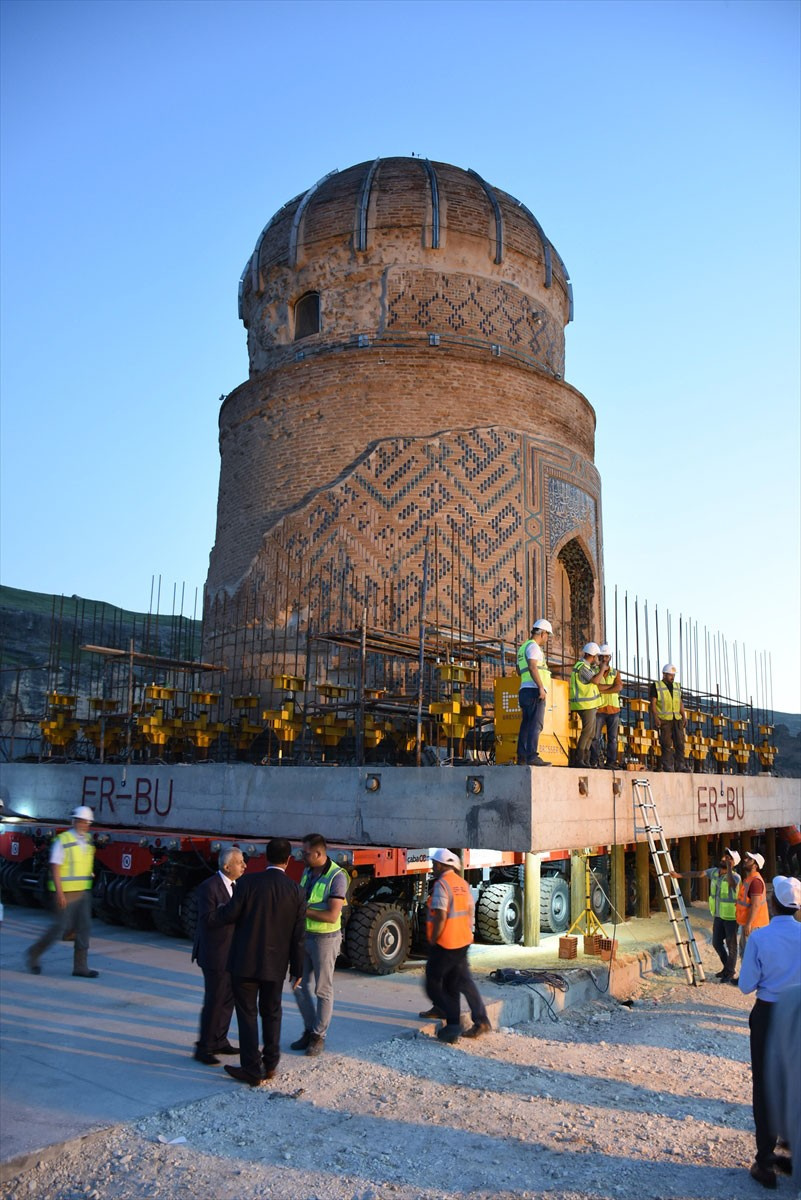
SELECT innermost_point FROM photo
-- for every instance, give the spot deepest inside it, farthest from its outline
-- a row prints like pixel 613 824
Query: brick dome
pixel 364 235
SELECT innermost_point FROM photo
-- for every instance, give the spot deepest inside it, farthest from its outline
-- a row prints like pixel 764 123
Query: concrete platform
pixel 78 1055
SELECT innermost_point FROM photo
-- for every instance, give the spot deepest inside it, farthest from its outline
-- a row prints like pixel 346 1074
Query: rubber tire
pixel 377 938
pixel 189 914
pixel 554 904
pixel 499 914
pixel 599 890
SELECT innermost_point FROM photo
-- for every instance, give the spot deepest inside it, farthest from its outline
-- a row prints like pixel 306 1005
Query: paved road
pixel 77 1055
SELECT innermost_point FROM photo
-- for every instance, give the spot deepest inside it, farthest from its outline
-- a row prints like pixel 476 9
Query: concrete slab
pixel 81 1055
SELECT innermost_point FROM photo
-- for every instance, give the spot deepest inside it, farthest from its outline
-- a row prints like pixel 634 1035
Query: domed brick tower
pixel 406 432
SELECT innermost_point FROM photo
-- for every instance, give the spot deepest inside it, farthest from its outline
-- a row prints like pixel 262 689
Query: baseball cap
pixel 447 857
pixel 787 890
pixel 83 813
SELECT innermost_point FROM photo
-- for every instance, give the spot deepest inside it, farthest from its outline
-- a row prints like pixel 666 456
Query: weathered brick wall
pixel 296 429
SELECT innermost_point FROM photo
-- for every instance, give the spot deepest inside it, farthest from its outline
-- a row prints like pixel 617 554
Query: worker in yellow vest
pixel 585 697
pixel 607 714
pixel 449 928
pixel 325 886
pixel 535 679
pixel 724 883
pixel 669 718
pixel 72 858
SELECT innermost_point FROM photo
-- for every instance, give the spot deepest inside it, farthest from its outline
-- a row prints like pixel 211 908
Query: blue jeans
pixel 531 723
pixel 610 722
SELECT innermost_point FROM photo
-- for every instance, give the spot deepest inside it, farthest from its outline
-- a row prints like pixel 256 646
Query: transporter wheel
pixel 599 893
pixel 554 904
pixel 189 914
pixel 377 938
pixel 499 914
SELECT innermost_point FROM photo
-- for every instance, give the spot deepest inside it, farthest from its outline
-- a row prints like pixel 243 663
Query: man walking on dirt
pixel 325 886
pixel 449 928
pixel 771 964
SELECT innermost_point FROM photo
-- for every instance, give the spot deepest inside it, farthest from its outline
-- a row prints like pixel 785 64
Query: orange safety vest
pixel 744 905
pixel 458 928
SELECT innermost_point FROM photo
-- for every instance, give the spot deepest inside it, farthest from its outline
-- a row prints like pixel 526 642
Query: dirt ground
pixel 650 1099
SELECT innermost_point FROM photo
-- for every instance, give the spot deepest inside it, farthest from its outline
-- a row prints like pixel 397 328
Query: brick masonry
pixel 345 449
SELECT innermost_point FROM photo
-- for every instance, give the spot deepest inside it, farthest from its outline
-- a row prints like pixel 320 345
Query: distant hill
pixel 41 636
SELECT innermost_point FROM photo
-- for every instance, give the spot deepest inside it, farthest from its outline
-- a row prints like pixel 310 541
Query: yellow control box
pixel 554 737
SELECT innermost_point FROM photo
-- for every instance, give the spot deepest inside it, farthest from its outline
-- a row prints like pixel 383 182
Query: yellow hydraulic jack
pixel 587 922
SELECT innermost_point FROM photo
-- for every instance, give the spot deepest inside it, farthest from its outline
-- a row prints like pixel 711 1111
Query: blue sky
pixel 145 145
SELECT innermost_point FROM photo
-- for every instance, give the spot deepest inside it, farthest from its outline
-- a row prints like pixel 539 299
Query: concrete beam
pixel 489 807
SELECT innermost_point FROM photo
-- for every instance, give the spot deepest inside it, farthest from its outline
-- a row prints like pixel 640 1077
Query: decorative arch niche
pixel 574 594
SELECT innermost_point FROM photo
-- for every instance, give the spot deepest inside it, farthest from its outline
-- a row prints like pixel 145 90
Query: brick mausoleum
pixel 405 325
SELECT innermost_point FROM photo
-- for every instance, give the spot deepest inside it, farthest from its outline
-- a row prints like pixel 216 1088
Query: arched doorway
pixel 574 593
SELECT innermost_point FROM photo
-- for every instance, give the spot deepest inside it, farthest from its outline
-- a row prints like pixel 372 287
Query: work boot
pixel 316 1045
pixel 435 1012
pixel 478 1029
pixel 33 963
pixel 763 1175
pixel 302 1041
pixel 538 762
pixel 449 1033
pixel 80 966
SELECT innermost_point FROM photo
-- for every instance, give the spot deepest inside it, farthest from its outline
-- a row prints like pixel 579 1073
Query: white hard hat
pixel 83 814
pixel 447 857
pixel 733 855
pixel 605 648
pixel 758 859
pixel 787 890
pixel 543 624
pixel 591 648
pixel 668 669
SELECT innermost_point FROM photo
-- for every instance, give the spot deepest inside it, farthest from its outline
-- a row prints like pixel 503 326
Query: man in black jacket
pixel 268 912
pixel 211 949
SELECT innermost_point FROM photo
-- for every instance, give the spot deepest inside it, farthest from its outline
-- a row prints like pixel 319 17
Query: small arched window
pixel 307 315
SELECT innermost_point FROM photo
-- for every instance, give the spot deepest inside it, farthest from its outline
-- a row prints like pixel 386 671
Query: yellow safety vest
pixel 522 666
pixel 319 895
pixel 668 705
pixel 728 898
pixel 610 699
pixel 77 869
pixel 582 695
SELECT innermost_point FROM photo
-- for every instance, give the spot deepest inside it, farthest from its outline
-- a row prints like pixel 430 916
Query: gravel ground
pixel 610 1100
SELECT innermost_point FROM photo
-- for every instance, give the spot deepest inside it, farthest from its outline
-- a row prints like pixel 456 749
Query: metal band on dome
pixel 546 245
pixel 364 204
pixel 299 211
pixel 567 281
pixel 432 180
pixel 254 262
pixel 496 208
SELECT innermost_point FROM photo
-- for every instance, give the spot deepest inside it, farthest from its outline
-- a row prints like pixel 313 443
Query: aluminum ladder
pixel 671 893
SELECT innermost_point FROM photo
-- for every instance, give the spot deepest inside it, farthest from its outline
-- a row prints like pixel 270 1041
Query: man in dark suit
pixel 211 949
pixel 268 913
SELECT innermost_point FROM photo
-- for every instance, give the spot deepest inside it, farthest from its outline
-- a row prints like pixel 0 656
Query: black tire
pixel 499 914
pixel 554 904
pixel 599 893
pixel 189 914
pixel 377 938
